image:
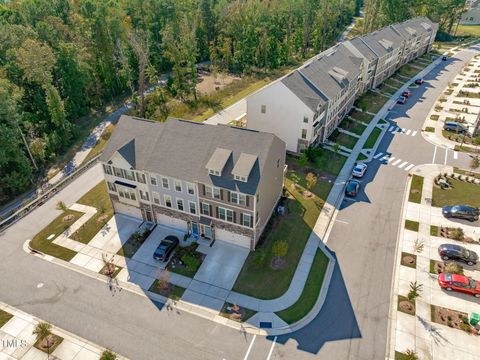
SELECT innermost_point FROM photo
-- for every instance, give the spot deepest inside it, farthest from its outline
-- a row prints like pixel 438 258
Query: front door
pixel 207 232
pixel 147 215
pixel 194 228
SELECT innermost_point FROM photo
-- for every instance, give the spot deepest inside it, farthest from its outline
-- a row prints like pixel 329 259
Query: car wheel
pixel 470 263
pixel 448 289
pixel 477 295
pixel 445 258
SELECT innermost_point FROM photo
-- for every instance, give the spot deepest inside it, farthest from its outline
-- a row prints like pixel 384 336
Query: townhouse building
pixel 305 106
pixel 214 181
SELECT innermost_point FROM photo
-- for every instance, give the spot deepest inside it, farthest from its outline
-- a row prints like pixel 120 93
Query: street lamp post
pixel 464 134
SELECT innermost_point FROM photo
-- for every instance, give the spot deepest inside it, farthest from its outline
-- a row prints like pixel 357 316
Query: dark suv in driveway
pixel 164 250
pixel 461 212
pixel 457 252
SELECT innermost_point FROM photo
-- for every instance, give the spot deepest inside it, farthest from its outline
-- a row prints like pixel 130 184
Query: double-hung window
pixel 144 195
pixel 165 183
pixel 111 186
pixel 205 209
pixel 247 220
pixel 193 207
pixel 208 191
pixel 216 193
pixel 156 197
pixel 178 185
pixel 153 180
pixel 225 214
pixel 141 178
pixel 168 200
pixel 180 204
pixel 191 188
pixel 107 169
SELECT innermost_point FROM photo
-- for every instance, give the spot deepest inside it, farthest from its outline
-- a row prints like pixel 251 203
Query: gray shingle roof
pixel 218 159
pixel 244 165
pixel 181 149
pixel 363 49
pixel 304 90
pixel 332 72
pixel 387 36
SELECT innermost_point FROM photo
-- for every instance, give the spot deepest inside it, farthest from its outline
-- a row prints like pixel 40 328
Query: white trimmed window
pixel 247 220
pixel 141 178
pixel 216 193
pixel 168 200
pixel 225 214
pixel 111 186
pixel 208 191
pixel 156 197
pixel 178 185
pixel 180 204
pixel 206 209
pixel 238 198
pixel 107 169
pixel 165 184
pixel 240 178
pixel 191 188
pixel 144 195
pixel 153 180
pixel 214 172
pixel 193 207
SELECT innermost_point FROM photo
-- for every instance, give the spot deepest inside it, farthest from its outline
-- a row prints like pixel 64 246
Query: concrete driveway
pixel 222 265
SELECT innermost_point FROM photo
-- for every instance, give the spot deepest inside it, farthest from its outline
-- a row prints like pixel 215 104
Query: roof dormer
pixel 243 167
pixel 217 161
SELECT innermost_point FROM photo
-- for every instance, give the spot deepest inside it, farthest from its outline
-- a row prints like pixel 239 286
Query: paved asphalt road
pixel 351 325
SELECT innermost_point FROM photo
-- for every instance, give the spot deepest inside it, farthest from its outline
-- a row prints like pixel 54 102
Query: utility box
pixel 474 319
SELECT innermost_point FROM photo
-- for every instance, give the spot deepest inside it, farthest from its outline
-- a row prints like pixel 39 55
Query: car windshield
pixel 466 253
pixel 358 168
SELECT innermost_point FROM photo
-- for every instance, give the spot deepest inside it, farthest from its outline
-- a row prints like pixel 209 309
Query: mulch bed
pixel 452 318
pixel 68 218
pixel 235 312
pixel 409 260
pixel 406 306
pixel 278 263
pixel 52 340
pixel 436 267
pixel 110 270
pixel 102 218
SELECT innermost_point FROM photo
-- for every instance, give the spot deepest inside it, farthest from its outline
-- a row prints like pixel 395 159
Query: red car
pixel 407 93
pixel 460 283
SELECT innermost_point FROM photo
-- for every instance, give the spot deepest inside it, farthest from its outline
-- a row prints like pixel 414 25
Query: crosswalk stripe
pixel 414 133
pixel 397 129
pixel 378 155
pixel 408 132
pixel 385 157
pixel 403 130
pixel 455 154
pixel 396 162
pixel 409 167
pixel 391 159
pixel 391 128
pixel 403 164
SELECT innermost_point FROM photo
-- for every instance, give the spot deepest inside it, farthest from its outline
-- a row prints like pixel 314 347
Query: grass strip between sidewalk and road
pixel 372 138
pixel 56 227
pixel 4 317
pixel 310 292
pixel 412 225
pixel 415 195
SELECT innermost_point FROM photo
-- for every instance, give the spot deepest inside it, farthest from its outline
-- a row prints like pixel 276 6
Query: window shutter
pixel 235 217
pixel 210 212
pixel 221 194
pixel 247 200
pixel 241 219
pixel 228 196
pixel 203 189
pixel 216 211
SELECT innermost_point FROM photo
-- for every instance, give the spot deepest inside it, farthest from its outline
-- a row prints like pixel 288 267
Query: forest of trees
pixel 59 59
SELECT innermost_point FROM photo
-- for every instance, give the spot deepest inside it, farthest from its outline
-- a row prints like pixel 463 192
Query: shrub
pixel 411 355
pixel 453 268
pixel 280 248
pixel 415 290
pixel 457 234
pixel 191 262
pixel 108 355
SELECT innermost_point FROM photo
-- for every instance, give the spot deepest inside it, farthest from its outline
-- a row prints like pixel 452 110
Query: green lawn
pixel 412 225
pixel 361 116
pixel 408 71
pixel 433 230
pixel 361 157
pixel 371 102
pixel 294 228
pixel 324 160
pixel 475 175
pixel 393 83
pixel 321 188
pixel 352 126
pixel 463 193
pixel 372 138
pixel 430 129
pixel 310 292
pixel 415 195
pixel 98 198
pixel 468 30
pixel 4 317
pixel 57 226
pixel 343 139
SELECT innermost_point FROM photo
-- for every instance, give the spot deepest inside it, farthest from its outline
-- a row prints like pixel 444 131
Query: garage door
pixel 172 222
pixel 127 210
pixel 232 238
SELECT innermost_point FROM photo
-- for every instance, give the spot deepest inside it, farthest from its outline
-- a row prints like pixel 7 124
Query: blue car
pixel 166 247
pixel 461 212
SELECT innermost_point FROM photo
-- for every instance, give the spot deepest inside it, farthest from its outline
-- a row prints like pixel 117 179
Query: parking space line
pixel 403 130
pixel 250 347
pixel 378 155
pixel 408 132
pixel 403 164
pixel 271 349
pixel 396 162
pixel 409 167
pixel 385 157
pixel 434 154
pixel 446 155
pixel 455 155
pixel 414 133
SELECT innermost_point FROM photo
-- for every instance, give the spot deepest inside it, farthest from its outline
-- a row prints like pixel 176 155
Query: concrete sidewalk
pixel 419 333
pixel 17 340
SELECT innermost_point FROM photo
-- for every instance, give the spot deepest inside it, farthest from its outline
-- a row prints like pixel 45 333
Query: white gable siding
pixel 284 114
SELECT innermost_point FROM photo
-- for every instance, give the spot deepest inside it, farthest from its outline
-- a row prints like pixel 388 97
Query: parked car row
pixel 454 127
pixel 464 212
pixel 353 185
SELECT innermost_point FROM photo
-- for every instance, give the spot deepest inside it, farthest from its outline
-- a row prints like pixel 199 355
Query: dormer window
pixel 240 178
pixel 243 167
pixel 214 172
